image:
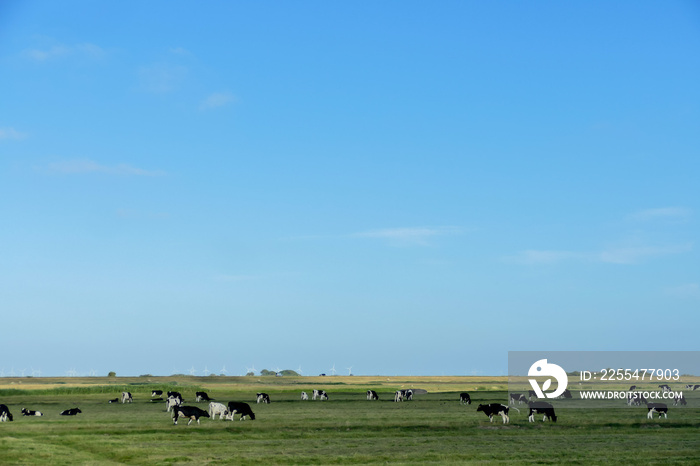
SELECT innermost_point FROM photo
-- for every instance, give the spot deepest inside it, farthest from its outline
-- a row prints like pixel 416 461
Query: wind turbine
pixel 349 370
pixel 93 373
pixel 250 369
pixel 299 370
pixel 22 372
pixel 333 369
pixel 206 371
pixel 223 370
pixel 36 373
pixel 192 371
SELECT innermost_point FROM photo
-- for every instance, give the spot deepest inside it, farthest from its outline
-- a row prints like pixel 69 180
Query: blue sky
pixel 398 187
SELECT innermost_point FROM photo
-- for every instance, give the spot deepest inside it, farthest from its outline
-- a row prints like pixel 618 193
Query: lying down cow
pixel 192 412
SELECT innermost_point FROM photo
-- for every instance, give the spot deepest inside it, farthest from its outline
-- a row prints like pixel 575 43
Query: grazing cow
pixel 636 399
pixel 192 412
pixel 660 408
pixel 217 408
pixel 372 395
pixel 690 386
pixel 519 397
pixel 465 398
pixel 632 388
pixel 202 396
pixel 263 398
pixel 241 408
pixel 665 388
pixel 172 402
pixel 156 393
pixel 29 412
pixel 679 400
pixel 175 395
pixel 114 400
pixel 71 412
pixel 496 408
pixel 541 407
pixel 127 398
pixel 566 394
pixel 400 395
pixel 531 394
pixel 304 396
pixel 5 414
pixel 321 394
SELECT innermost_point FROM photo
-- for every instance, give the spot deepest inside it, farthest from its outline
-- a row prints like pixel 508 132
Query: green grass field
pixel 433 428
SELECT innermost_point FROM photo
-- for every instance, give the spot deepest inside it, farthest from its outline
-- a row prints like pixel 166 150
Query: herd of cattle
pixel 174 402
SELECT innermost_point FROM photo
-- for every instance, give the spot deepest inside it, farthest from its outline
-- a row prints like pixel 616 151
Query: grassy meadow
pixel 346 429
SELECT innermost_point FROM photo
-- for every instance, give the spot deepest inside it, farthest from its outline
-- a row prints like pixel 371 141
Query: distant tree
pixel 112 374
pixel 266 372
pixel 250 374
pixel 289 373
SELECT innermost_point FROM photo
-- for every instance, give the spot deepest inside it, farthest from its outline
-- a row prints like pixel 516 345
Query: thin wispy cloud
pixel 617 255
pixel 409 235
pixel 632 255
pixel 233 278
pixel 218 99
pixel 669 213
pixel 688 290
pixel 83 166
pixel 60 51
pixel 161 77
pixel 11 133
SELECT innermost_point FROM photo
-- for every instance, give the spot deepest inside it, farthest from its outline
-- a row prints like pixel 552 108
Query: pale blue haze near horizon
pixel 400 188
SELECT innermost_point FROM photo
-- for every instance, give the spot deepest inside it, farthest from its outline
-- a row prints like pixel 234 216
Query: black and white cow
pixel 114 400
pixel 496 408
pixel 202 396
pixel 71 412
pixel 632 388
pixel 5 414
pixel 636 399
pixel 172 402
pixel 176 395
pixel 519 397
pixel 401 395
pixel 465 398
pixel 262 398
pixel 156 393
pixel 304 396
pixel 660 408
pixel 241 408
pixel 690 386
pixel 127 398
pixel 192 412
pixel 29 412
pixel 541 407
pixel 665 388
pixel 531 394
pixel 566 394
pixel 321 394
pixel 679 400
pixel 372 395
pixel 217 408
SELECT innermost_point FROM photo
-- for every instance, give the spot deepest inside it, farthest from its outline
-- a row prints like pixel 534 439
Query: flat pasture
pixel 346 429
